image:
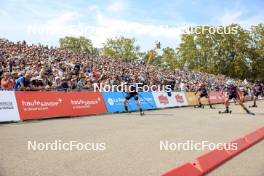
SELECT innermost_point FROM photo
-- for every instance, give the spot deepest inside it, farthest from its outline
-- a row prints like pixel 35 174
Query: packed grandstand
pixel 48 68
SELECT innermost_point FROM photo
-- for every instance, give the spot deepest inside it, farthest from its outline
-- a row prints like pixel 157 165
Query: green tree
pixel 80 44
pixel 121 48
pixel 238 54
pixel 169 57
pixel 257 51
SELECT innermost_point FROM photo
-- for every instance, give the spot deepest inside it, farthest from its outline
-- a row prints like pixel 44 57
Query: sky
pixel 148 21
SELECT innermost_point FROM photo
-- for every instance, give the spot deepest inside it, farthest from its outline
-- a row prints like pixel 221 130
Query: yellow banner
pixel 192 99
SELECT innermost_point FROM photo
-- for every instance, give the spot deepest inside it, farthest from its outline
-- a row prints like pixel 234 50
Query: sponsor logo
pixel 110 101
pixel 83 104
pixel 37 105
pixel 41 103
pixel 115 101
pixel 179 98
pixel 163 100
pixel 6 105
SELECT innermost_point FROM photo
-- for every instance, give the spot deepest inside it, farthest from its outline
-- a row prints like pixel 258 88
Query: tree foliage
pixel 80 44
pixel 121 48
pixel 238 55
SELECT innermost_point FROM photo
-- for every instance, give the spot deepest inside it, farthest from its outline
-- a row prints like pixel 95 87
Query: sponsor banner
pixel 192 99
pixel 115 101
pixel 163 100
pixel 36 105
pixel 8 107
pixel 147 100
pixel 85 103
pixel 216 97
pixel 180 99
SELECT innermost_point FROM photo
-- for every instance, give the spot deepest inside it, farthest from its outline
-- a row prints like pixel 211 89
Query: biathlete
pixel 203 93
pixel 257 91
pixel 232 94
pixel 244 93
pixel 132 93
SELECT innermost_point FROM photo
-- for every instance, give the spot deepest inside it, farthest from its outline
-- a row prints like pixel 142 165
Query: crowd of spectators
pixel 37 67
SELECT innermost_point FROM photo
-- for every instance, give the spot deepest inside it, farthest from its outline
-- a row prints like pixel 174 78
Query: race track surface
pixel 132 143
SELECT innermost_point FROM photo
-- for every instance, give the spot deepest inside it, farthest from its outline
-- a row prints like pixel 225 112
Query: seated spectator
pixel 7 83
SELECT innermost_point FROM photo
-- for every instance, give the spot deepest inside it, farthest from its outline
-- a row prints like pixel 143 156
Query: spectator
pixel 81 83
pixel 64 69
pixel 7 83
pixel 64 84
pixel 24 83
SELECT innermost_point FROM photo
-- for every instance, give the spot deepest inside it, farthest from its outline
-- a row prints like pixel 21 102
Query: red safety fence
pixel 207 162
pixel 36 105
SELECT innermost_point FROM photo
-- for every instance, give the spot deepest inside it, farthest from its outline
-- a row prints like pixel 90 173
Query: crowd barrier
pixel 209 161
pixel 21 105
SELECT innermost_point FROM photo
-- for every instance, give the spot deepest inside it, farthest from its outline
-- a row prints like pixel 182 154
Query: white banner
pixel 180 99
pixel 163 100
pixel 8 107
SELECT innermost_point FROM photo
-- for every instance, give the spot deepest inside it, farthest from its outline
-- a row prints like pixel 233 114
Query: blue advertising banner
pixel 115 101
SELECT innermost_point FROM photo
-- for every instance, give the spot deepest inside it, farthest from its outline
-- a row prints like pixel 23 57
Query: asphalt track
pixel 132 143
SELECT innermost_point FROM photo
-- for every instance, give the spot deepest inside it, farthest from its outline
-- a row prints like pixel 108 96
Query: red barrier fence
pixel 36 105
pixel 210 160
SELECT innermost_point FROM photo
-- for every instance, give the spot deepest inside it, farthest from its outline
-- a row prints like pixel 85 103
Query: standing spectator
pixel 183 87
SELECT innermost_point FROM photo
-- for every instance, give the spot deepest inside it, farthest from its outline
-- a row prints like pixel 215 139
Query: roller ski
pixel 253 106
pixel 129 112
pixel 225 112
pixel 141 113
pixel 249 112
pixel 211 107
pixel 199 106
pixel 126 110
